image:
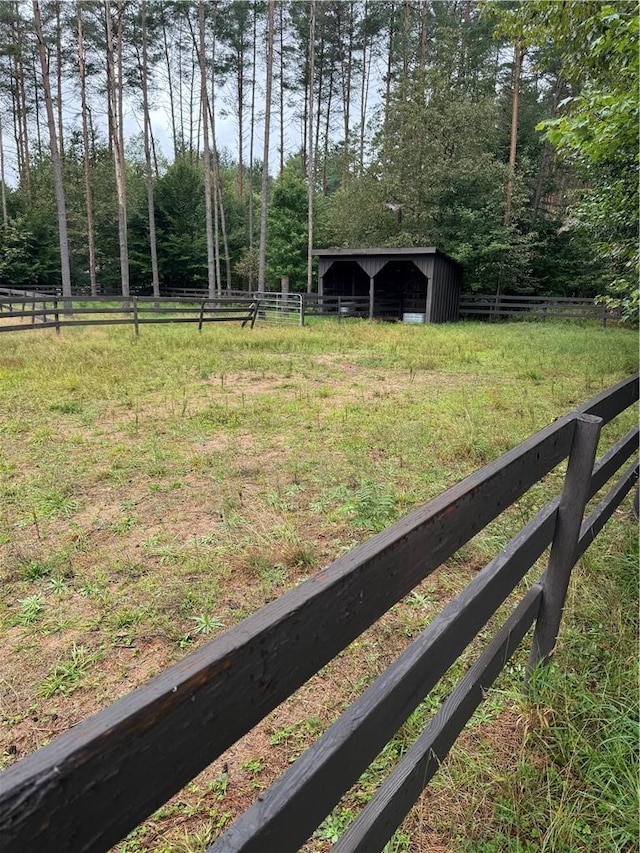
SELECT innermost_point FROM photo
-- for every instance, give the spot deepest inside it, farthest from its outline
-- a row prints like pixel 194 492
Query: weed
pixel 204 623
pixel 275 577
pixel 31 609
pixel 36 569
pixel 220 786
pixel 398 844
pixel 124 524
pixel 54 503
pixel 64 678
pixel 66 408
pixel 254 765
pixel 58 586
pixel 334 825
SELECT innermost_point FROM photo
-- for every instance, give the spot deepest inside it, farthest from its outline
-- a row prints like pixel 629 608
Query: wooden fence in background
pixel 95 783
pixel 492 307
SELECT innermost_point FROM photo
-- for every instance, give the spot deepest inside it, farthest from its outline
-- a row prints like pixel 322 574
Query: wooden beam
pixel 382 815
pixel 612 401
pixel 613 460
pixel 594 523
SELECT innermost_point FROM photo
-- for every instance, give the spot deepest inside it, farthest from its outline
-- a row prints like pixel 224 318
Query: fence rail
pixel 98 781
pixel 534 307
pixel 57 313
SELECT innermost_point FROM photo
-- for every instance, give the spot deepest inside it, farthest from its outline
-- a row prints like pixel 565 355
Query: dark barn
pixel 419 285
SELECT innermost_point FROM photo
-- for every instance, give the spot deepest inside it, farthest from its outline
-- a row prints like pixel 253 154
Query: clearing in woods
pixel 155 491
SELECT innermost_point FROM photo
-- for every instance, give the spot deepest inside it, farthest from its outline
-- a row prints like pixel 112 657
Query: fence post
pixel 255 313
pixel 56 316
pixel 302 302
pixel 201 316
pixel 135 315
pixel 563 548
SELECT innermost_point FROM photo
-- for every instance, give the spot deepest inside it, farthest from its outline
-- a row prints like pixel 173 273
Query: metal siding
pixel 438 284
pixel 371 266
pixel 423 264
pixel 429 304
pixel 444 286
pixel 446 291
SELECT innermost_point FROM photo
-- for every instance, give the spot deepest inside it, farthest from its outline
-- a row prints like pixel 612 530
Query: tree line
pixel 503 133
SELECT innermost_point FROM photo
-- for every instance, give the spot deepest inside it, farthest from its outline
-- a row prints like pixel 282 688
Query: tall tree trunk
pixel 387 83
pixel 22 102
pixel 113 101
pixel 319 64
pixel 194 65
pixel 220 219
pixel 85 145
pixel 327 129
pixel 517 69
pixel 15 114
pixel 36 101
pixel 211 273
pixel 406 41
pixel 347 73
pixel 223 219
pixel 181 85
pixel 252 135
pixel 262 259
pixel 3 188
pixel 155 278
pixel 424 34
pixel 364 89
pixel 59 76
pixel 281 12
pixel 120 86
pixel 156 171
pixel 310 159
pixel 240 93
pixel 167 58
pixel 56 161
pixel 305 126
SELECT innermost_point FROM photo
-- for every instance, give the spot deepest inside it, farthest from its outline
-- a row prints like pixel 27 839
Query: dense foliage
pixel 425 130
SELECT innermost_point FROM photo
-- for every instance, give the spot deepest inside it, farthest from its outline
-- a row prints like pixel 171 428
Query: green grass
pixel 156 490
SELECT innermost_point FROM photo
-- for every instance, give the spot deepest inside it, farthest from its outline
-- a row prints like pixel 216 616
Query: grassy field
pixel 156 490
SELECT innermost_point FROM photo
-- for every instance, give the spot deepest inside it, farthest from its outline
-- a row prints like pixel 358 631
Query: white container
pixel 414 318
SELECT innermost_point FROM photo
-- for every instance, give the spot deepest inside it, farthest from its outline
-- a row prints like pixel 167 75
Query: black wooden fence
pixel 98 781
pixel 489 306
pixel 50 310
pixel 53 312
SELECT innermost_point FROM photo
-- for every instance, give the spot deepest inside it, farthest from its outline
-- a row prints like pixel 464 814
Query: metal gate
pixel 280 308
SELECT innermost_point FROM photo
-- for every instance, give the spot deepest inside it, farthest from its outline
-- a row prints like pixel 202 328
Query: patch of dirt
pixel 118 671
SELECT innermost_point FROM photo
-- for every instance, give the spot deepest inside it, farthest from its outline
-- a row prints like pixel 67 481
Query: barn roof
pixel 391 251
